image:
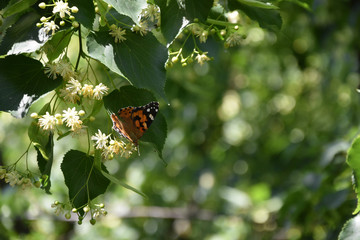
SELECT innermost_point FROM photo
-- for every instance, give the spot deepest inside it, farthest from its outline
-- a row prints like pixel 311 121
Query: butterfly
pixel 132 122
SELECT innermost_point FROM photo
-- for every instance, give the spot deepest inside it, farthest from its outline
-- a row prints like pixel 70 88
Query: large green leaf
pixel 353 160
pixel 55 46
pixel 17 6
pixel 131 8
pixel 23 36
pixel 131 96
pixel 140 59
pixel 84 181
pixel 173 19
pixel 351 230
pixel 258 4
pixel 198 9
pixel 264 14
pixel 86 14
pixel 22 81
pixel 44 145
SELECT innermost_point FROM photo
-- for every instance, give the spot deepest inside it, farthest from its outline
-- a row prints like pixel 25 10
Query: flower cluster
pixel 61 9
pixel 73 90
pixel 200 57
pixel 70 116
pixel 95 210
pixel 111 147
pixel 199 32
pixel 62 68
pixel 118 33
pixel 15 178
pixel 59 207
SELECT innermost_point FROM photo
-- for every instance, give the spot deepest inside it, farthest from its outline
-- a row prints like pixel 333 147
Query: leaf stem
pixel 80 49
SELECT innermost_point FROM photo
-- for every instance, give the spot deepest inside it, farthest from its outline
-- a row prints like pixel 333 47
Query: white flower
pixel 50 26
pixel 101 139
pixel 69 96
pixel 201 58
pixel 72 119
pixel 61 8
pixel 142 28
pixel 65 69
pixel 118 33
pixel 116 146
pixel 47 121
pixel 12 178
pixel 25 183
pixel 99 91
pixel 151 12
pixel 234 40
pixel 203 36
pixel 74 86
pixel 51 70
pixel 87 90
pixel 59 209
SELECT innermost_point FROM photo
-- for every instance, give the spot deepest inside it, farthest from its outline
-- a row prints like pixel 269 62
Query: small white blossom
pixel 201 58
pixel 141 29
pixel 12 178
pixel 47 121
pixel 51 70
pixel 74 86
pixel 62 8
pixel 203 36
pixel 50 26
pixel 87 90
pixel 69 96
pixel 234 40
pixel 99 91
pixel 72 119
pixel 101 140
pixel 59 208
pixel 65 69
pixel 25 183
pixel 151 12
pixel 118 33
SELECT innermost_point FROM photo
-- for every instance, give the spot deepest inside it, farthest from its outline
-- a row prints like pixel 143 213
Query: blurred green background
pixel 256 145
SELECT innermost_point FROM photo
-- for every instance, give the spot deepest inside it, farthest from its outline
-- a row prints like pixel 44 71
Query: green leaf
pixel 350 230
pixel 131 8
pixel 55 46
pixel 118 182
pixel 23 36
pixel 84 181
pixel 139 59
pixel 173 19
pixel 22 81
pixel 353 160
pixel 44 145
pixel 267 18
pixel 198 9
pixel 304 4
pixel 86 13
pixel 131 96
pixel 258 4
pixel 17 6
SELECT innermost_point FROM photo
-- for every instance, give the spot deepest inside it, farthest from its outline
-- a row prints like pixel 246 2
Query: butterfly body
pixel 132 122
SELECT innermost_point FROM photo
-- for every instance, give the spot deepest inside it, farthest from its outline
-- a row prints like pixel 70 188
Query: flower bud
pixel 42 5
pixel 34 115
pixel 74 9
pixel 75 24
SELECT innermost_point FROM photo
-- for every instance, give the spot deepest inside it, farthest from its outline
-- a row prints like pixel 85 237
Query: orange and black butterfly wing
pixel 132 122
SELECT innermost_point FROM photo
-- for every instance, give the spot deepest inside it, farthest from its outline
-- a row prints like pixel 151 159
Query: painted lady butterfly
pixel 132 122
